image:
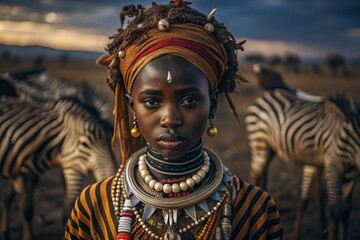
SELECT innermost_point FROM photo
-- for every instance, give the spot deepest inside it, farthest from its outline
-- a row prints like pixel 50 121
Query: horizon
pixel 53 53
pixel 310 29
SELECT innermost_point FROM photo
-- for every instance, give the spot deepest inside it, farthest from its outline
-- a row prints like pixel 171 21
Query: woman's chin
pixel 172 149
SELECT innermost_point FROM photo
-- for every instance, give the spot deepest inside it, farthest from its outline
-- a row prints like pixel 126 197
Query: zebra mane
pixel 39 83
pixel 91 109
pixel 7 88
pixel 24 74
pixel 346 105
pixel 29 78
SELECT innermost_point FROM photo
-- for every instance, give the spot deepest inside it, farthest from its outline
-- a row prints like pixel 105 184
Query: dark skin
pixel 173 116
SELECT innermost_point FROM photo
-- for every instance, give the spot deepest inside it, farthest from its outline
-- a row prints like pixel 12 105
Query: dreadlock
pixel 143 20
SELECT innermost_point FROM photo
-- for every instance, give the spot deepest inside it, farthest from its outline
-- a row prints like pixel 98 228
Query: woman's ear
pixel 213 102
pixel 130 102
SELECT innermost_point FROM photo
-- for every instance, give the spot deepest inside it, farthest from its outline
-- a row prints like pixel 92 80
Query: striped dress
pixel 255 215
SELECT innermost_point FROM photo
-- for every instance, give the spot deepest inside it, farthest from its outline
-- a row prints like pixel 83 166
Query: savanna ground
pixel 230 143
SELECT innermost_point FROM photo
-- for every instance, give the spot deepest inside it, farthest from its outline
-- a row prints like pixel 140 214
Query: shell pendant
pixel 172 234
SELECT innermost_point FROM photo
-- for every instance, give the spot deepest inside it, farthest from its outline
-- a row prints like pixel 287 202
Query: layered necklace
pixel 136 195
pixel 173 189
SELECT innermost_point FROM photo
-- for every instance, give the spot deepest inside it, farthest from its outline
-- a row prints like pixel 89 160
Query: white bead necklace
pixel 175 187
pixel 123 210
pixel 122 204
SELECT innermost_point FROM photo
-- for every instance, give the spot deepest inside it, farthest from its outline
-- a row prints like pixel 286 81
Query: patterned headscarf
pixel 188 41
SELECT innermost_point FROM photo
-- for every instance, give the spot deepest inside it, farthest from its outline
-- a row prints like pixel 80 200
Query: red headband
pixel 198 48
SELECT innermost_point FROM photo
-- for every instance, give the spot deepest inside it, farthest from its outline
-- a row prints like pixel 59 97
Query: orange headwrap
pixel 189 41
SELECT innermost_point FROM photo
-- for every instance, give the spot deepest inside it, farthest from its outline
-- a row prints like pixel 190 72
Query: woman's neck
pixel 175 168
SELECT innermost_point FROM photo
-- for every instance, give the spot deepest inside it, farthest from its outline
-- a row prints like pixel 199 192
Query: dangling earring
pixel 211 131
pixel 135 132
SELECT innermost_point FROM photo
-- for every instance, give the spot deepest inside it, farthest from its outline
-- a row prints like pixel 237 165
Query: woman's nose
pixel 171 117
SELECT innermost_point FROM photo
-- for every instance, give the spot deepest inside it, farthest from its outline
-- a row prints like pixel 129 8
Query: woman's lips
pixel 171 141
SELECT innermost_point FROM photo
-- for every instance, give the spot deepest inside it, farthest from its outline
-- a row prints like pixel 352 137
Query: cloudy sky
pixel 309 28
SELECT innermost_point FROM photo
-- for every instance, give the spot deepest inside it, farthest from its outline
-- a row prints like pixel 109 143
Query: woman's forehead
pixel 168 70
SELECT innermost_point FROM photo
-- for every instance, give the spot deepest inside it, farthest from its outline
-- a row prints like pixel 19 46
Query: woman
pixel 167 68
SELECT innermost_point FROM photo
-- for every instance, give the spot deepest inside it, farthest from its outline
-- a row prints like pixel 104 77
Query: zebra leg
pixel 260 159
pixel 347 190
pixel 308 174
pixel 24 185
pixel 333 174
pixel 8 197
pixel 320 199
pixel 73 186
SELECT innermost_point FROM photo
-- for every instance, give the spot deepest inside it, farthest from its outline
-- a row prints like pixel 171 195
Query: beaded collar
pixel 180 185
pixel 191 162
pixel 128 193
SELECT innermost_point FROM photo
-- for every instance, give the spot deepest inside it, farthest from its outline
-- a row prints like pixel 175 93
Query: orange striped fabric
pixel 255 215
pixel 93 216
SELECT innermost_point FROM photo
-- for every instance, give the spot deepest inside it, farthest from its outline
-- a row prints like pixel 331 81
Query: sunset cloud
pixel 22 33
pixel 308 28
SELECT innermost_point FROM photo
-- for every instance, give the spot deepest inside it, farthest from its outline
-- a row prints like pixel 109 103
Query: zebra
pixel 7 88
pixel 42 134
pixel 318 133
pixel 40 83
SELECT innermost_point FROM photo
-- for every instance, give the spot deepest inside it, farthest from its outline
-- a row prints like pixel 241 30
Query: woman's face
pixel 172 116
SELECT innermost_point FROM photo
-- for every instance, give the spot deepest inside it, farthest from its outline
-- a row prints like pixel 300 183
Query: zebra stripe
pixel 321 134
pixel 309 133
pixel 42 84
pixel 38 135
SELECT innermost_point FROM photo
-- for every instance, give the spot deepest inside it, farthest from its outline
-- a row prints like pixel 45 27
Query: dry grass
pixel 230 143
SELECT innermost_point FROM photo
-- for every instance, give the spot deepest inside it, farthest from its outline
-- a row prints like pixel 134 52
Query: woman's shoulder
pixel 93 216
pixel 96 192
pixel 249 193
pixel 100 184
pixel 255 214
pixel 244 186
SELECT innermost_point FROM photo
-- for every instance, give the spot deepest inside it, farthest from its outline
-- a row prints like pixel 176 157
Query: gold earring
pixel 135 132
pixel 211 131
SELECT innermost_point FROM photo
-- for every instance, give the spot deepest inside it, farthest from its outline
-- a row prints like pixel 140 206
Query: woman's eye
pixel 189 101
pixel 151 102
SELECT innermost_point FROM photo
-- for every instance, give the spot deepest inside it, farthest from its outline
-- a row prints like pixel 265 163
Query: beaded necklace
pixel 170 167
pixel 175 187
pixel 216 222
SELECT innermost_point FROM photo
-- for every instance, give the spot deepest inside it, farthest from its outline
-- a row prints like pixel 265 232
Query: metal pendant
pixel 172 234
pixel 226 228
pixel 218 234
pixel 227 210
pixel 169 77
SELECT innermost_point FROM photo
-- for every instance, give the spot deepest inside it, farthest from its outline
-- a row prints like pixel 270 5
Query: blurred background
pixel 313 44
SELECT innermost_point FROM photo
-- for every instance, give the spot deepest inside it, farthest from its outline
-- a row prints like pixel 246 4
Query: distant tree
pixel 64 58
pixel 39 61
pixel 254 58
pixel 16 61
pixel 275 60
pixel 335 62
pixel 316 69
pixel 6 55
pixel 292 61
pixel 346 72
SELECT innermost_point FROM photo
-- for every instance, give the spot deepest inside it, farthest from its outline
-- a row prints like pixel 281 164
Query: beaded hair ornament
pixel 173 28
